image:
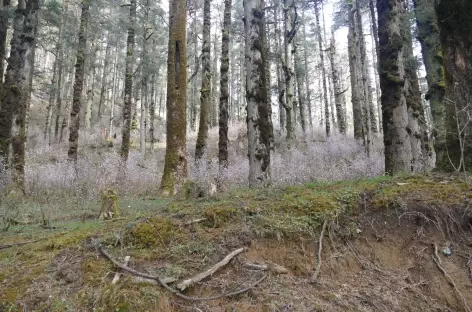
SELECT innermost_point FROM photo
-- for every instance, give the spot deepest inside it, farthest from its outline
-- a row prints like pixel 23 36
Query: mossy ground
pixel 64 272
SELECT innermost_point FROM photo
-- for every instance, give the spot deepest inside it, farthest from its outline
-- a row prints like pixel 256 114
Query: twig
pixel 172 290
pixel 437 260
pixel 272 267
pixel 19 244
pixel 116 278
pixel 195 221
pixel 320 248
pixel 201 276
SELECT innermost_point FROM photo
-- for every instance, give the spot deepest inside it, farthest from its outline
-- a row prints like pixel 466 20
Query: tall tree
pixel 78 84
pixel 258 125
pixel 339 97
pixel 206 84
pixel 302 93
pixel 128 91
pixel 4 7
pixel 392 79
pixel 455 25
pixel 428 36
pixel 223 117
pixel 375 40
pixel 16 95
pixel 175 167
pixel 323 70
pixel 290 24
pixel 104 83
pixel 280 81
pixel 144 80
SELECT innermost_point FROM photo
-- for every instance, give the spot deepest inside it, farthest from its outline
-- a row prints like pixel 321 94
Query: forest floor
pixel 389 244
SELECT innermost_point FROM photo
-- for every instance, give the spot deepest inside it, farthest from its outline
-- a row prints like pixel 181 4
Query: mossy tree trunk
pixel 267 57
pixel 128 92
pixel 206 85
pixel 289 34
pixel 258 125
pixel 301 76
pixel 113 95
pixel 193 78
pixel 455 25
pixel 375 40
pixel 428 35
pixel 280 81
pixel 323 69
pixel 60 71
pixel 339 96
pixel 356 95
pixel 215 98
pixel 224 94
pixel 175 167
pixel 16 96
pixel 4 20
pixel 78 84
pixel 392 43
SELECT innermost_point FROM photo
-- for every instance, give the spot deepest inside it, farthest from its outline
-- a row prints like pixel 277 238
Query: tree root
pixel 320 248
pixel 172 290
pixel 271 267
pixel 450 280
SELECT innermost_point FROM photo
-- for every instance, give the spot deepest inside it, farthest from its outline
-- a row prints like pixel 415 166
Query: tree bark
pixel 223 117
pixel 113 95
pixel 323 70
pixel 339 97
pixel 4 20
pixel 375 40
pixel 104 84
pixel 175 167
pixel 214 85
pixel 289 34
pixel 307 74
pixel 126 130
pixel 152 110
pixel 300 76
pixel 78 84
pixel 280 81
pixel 258 126
pixel 206 85
pixel 144 83
pixel 392 79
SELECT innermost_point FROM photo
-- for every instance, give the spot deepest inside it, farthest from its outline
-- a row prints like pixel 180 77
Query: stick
pixel 320 248
pixel 437 260
pixel 266 267
pixel 19 244
pixel 167 280
pixel 172 290
pixel 195 221
pixel 201 276
pixel 118 274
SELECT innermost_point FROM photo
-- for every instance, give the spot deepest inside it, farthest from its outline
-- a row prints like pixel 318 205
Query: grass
pixel 152 232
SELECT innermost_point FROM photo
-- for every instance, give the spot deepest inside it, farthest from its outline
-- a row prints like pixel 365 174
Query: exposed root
pixel 172 290
pixel 272 267
pixel 320 248
pixel 195 221
pixel 19 244
pixel 450 280
pixel 117 276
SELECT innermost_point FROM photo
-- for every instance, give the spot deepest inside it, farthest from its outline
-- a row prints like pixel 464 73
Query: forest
pixel 235 155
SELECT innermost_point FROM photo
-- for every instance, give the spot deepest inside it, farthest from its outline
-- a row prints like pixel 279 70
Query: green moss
pixel 155 231
pixel 218 216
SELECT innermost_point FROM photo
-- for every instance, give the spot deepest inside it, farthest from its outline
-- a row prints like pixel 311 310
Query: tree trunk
pixel 4 7
pixel 280 81
pixel 266 43
pixel 364 81
pixel 300 76
pixel 289 34
pixel 375 43
pixel 193 99
pixel 214 85
pixel 455 28
pixel 392 79
pixel 356 95
pixel 339 98
pixel 126 130
pixel 428 35
pixel 78 84
pixel 206 85
pixel 223 118
pixel 152 110
pixel 307 74
pixel 104 84
pixel 113 95
pixel 258 126
pixel 144 83
pixel 323 70
pixel 175 168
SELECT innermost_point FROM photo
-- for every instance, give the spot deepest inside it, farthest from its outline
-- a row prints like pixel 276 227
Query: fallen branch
pixel 19 244
pixel 201 276
pixel 167 280
pixel 320 248
pixel 195 221
pixel 162 283
pixel 437 260
pixel 117 276
pixel 272 267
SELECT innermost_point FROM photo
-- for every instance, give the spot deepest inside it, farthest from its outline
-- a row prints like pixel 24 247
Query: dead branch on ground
pixel 162 283
pixel 320 248
pixel 117 276
pixel 201 276
pixel 19 244
pixel 271 267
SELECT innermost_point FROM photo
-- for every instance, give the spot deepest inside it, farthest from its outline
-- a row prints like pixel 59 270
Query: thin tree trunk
pixel 339 97
pixel 307 74
pixel 206 85
pixel 152 110
pixel 193 99
pixel 214 85
pixel 78 84
pixel 375 41
pixel 4 20
pixel 223 117
pixel 144 83
pixel 289 34
pixel 175 167
pixel 323 70
pixel 104 84
pixel 328 73
pixel 113 95
pixel 126 130
pixel 258 125
pixel 280 81
pixel 300 76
